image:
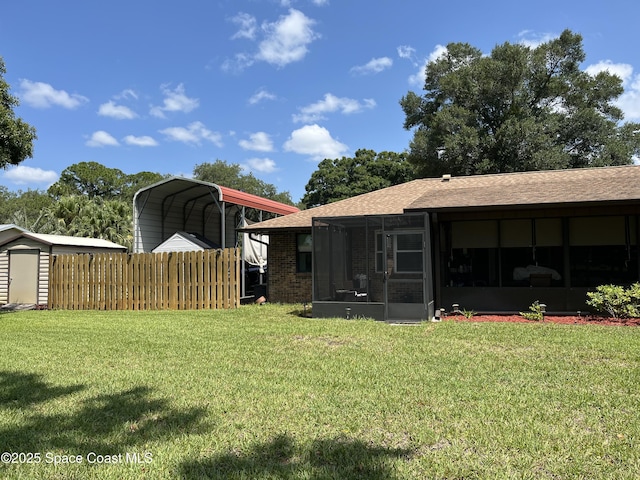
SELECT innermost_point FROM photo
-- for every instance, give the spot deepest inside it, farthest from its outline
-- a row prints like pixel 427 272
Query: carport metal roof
pixel 191 190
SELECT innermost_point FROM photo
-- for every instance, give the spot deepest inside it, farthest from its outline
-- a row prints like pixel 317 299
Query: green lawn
pixel 260 392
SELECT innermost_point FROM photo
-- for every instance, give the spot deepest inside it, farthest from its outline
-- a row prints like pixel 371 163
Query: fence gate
pixel 208 279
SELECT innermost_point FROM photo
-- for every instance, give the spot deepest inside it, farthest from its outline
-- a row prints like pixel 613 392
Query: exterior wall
pixel 4 277
pixel 285 285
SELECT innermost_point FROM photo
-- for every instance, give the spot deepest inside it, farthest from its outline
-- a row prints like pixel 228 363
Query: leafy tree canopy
pixel 97 181
pixel 81 216
pixel 230 175
pixel 16 136
pixel 518 109
pixel 346 177
pixel 23 208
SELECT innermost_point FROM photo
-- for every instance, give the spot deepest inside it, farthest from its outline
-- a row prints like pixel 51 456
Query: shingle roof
pixel 550 187
pixel 390 200
pixel 571 186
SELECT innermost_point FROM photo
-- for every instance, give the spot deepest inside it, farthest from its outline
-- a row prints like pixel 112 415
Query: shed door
pixel 23 276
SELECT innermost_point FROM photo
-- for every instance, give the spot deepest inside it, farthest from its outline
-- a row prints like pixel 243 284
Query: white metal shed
pixel 24 263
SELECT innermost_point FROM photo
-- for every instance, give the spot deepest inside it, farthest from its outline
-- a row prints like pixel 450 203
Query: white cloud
pixel 417 79
pixel 330 103
pixel 259 142
pixel 175 101
pixel 43 95
pixel 629 101
pixel 532 39
pixel 101 139
pixel 264 165
pixel 144 141
pixel 316 142
pixel 622 70
pixel 126 94
pixel 193 134
pixel 405 51
pixel 282 42
pixel 287 39
pixel 110 109
pixel 246 26
pixel 22 175
pixel 438 52
pixel 375 65
pixel 260 96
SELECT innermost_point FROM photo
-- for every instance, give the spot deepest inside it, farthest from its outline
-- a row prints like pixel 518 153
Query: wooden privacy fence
pixel 208 279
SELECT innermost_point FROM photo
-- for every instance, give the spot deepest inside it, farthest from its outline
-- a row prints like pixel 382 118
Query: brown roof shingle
pixel 549 187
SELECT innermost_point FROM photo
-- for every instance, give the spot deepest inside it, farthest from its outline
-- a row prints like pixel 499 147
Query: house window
pixel 407 252
pixel 379 252
pixel 303 252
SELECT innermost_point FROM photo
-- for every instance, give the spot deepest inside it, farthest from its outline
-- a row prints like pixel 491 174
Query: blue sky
pixel 273 85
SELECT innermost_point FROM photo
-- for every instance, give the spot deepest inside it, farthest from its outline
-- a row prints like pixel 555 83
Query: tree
pixel 16 136
pixel 346 177
pixel 81 216
pixel 230 175
pixel 98 181
pixel 518 109
pixel 24 209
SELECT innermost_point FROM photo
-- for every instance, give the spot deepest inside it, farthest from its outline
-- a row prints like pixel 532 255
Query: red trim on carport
pixel 253 201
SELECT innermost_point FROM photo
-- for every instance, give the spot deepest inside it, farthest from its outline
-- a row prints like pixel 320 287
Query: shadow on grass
pixel 22 390
pixel 106 424
pixel 281 458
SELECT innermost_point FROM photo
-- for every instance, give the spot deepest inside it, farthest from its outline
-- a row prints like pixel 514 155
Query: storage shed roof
pixel 65 240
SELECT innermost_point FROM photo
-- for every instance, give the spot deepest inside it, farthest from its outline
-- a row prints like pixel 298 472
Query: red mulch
pixel 568 320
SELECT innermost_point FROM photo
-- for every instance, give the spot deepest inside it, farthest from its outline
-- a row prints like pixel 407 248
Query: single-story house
pixel 24 263
pixel 211 211
pixel 488 243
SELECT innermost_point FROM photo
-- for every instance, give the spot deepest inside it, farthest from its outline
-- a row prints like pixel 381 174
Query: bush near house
pixel 616 300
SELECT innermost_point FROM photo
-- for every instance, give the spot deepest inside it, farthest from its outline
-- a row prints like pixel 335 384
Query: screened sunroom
pixel 373 266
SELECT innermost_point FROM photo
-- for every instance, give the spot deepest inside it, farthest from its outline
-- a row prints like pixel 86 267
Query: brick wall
pixel 285 285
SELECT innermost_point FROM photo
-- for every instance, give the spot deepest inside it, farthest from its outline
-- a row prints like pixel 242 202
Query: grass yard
pixel 260 392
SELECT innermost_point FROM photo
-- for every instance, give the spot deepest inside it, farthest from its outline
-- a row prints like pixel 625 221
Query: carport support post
pixel 243 286
pixel 223 227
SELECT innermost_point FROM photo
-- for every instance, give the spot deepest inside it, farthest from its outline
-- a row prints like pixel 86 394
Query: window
pixel 303 252
pixel 379 252
pixel 407 252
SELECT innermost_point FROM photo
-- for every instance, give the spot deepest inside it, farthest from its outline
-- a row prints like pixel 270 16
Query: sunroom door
pixel 405 274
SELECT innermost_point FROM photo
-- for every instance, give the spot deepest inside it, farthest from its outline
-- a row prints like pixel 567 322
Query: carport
pixel 179 204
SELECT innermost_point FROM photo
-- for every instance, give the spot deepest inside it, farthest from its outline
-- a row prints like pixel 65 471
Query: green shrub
pixel 616 300
pixel 535 312
pixel 633 309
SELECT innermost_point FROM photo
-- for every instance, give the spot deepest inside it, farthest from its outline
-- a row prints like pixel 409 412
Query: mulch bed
pixel 568 320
